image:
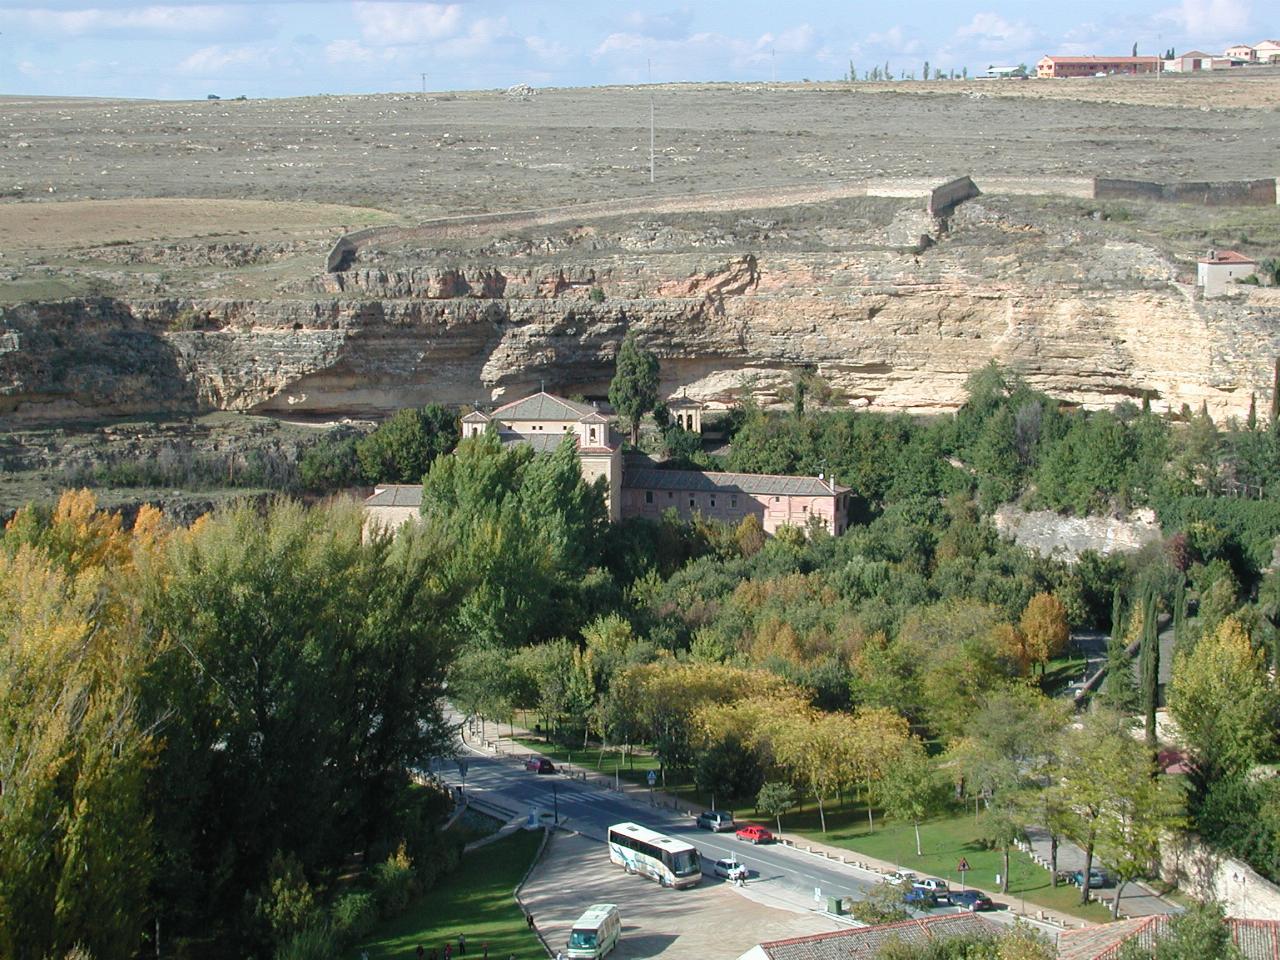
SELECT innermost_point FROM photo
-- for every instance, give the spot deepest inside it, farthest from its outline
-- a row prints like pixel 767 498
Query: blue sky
pixel 181 49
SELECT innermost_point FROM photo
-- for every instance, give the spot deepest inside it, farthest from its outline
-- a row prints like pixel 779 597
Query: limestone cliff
pixel 892 309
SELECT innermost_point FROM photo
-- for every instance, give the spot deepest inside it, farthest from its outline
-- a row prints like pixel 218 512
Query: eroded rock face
pixel 1079 313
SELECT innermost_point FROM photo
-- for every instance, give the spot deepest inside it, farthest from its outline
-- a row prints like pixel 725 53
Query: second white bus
pixel 673 863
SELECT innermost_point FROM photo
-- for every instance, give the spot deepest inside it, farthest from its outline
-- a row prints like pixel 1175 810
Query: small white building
pixel 1241 52
pixel 1216 272
pixel 1195 61
pixel 1268 51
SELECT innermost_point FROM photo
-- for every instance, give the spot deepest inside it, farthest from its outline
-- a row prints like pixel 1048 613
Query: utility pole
pixel 773 65
pixel 424 83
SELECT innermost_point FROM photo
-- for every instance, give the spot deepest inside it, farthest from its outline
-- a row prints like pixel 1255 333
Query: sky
pixel 178 49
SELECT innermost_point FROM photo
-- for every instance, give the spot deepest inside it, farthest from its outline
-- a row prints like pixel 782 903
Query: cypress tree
pixel 1275 397
pixel 1252 420
pixel 1179 611
pixel 1149 664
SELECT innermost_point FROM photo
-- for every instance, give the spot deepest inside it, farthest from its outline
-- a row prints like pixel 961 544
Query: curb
pixel 546 837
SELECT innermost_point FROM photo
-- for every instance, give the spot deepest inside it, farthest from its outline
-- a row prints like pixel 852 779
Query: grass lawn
pixel 943 841
pixel 475 900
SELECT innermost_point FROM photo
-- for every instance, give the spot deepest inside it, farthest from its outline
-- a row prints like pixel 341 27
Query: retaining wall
pixel 1223 193
pixel 1207 875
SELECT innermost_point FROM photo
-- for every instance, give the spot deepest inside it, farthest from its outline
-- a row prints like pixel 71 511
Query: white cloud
pixel 217 58
pixel 801 39
pixel 993 32
pixel 156 18
pixel 546 49
pixel 659 26
pixel 349 51
pixel 389 24
pixel 1210 18
pixel 893 40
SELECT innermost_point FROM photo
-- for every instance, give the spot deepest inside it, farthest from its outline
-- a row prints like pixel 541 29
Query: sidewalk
pixel 1138 900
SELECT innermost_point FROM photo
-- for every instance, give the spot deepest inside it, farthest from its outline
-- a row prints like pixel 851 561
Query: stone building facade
pixel 544 420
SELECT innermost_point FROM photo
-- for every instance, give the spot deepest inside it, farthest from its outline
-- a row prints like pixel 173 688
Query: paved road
pixel 591 809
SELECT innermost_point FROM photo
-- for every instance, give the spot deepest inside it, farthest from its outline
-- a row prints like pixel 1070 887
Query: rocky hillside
pixel 893 309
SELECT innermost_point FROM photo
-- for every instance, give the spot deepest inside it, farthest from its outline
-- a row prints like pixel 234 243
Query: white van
pixel 596 932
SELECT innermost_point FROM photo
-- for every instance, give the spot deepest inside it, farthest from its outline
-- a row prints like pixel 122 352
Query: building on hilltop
pixel 1220 268
pixel 1058 67
pixel 544 421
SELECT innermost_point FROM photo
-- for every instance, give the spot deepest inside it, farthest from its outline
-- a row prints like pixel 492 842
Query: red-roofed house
pixel 1217 271
pixel 865 943
pixel 1256 939
pixel 1241 52
pixel 1058 67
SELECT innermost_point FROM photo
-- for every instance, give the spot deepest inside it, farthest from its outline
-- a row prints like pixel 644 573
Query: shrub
pixel 329 465
pixel 393 883
pixel 353 916
pixel 311 943
pixel 597 295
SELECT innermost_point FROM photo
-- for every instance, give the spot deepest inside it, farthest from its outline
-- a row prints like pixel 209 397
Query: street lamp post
pixel 555 800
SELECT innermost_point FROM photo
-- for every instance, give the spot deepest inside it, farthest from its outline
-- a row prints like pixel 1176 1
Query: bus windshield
pixel 583 938
pixel 686 863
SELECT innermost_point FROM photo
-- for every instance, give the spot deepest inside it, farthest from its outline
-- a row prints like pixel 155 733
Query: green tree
pixel 1099 770
pixel 912 789
pixel 1197 933
pixel 775 799
pixel 634 389
pixel 1225 702
pixel 403 449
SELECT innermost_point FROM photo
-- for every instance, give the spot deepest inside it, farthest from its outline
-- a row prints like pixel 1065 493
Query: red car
pixel 754 833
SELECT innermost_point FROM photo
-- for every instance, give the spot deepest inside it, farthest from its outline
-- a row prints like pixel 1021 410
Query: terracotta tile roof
pixel 1194 55
pixel 1257 939
pixel 542 406
pixel 1227 256
pixel 548 442
pixel 762 484
pixel 396 495
pixel 865 943
pixel 1093 59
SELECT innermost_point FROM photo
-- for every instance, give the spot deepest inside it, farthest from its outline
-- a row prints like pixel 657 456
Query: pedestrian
pixel 448 949
pixel 559 955
pixel 462 944
pixel 485 947
pixel 421 952
pixel 528 919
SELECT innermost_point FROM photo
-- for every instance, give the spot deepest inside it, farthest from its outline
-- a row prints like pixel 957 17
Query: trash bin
pixel 835 905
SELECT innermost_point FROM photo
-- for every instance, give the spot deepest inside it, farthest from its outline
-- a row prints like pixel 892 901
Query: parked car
pixel 540 765
pixel 730 869
pixel 935 886
pixel 919 897
pixel 902 878
pixel 717 820
pixel 1097 879
pixel 971 900
pixel 755 833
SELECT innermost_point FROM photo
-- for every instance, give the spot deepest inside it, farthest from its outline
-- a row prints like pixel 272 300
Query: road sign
pixel 962 866
pixel 653 778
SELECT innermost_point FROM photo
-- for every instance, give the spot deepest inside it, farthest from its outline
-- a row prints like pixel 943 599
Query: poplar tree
pixel 1149 665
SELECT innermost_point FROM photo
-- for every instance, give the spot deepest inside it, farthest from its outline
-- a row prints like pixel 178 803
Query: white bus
pixel 596 932
pixel 673 863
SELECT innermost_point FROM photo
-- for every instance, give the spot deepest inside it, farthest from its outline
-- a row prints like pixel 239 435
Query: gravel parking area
pixel 713 919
